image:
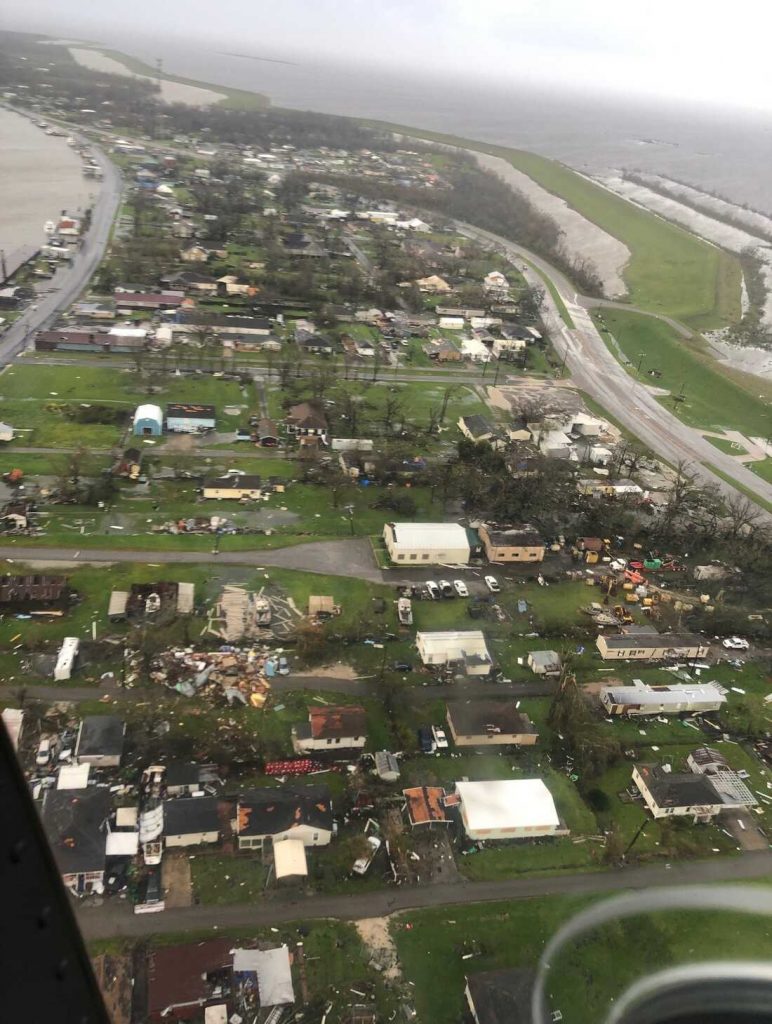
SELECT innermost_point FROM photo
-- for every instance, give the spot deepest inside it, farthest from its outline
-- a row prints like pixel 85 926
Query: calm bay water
pixel 718 150
pixel 40 176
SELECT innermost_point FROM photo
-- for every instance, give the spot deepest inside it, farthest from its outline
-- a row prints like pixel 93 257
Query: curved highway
pixel 595 370
pixel 70 280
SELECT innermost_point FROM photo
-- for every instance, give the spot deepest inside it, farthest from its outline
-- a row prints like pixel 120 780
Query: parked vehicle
pixel 361 865
pixel 439 737
pixel 736 643
pixel 460 588
pixel 434 590
pixel 492 584
pixel 402 666
pixel 446 589
pixel 426 740
pixel 44 753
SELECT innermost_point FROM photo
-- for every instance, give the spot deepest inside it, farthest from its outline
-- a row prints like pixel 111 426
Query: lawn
pixel 218 878
pixel 36 399
pixel 432 945
pixel 762 469
pixel 715 398
pixel 728 447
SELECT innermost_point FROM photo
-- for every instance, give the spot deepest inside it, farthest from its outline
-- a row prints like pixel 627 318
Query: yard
pixel 684 365
pixel 434 948
pixel 43 417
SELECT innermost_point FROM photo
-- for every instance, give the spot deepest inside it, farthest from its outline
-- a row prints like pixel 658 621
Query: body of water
pixel 41 176
pixel 717 150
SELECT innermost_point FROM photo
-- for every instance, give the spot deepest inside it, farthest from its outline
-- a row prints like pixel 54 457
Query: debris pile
pixel 240 676
pixel 239 613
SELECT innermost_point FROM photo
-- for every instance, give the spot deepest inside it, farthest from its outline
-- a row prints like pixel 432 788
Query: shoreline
pixel 41 176
pixel 171 91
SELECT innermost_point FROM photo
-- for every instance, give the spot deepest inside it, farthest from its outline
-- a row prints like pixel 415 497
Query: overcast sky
pixel 715 52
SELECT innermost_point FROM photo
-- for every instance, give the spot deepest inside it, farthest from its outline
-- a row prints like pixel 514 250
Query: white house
pixel 191 821
pixel 475 350
pixel 508 809
pixel 278 814
pixel 332 730
pixel 430 543
pixel 643 699
pixel 495 285
pixel 65 660
pixel 651 646
pixel 671 794
pixel 465 647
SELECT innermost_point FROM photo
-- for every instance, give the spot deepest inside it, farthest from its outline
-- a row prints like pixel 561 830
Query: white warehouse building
pixel 467 647
pixel 427 543
pixel 508 809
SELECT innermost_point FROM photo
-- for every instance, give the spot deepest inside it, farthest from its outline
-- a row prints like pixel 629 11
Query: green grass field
pixel 586 977
pixel 670 270
pixel 715 398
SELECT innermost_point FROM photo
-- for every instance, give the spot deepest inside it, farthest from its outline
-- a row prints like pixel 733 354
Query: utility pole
pixel 635 838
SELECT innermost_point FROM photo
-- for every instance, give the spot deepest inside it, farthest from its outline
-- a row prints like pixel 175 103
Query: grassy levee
pixel 670 270
pixel 233 99
pixel 715 396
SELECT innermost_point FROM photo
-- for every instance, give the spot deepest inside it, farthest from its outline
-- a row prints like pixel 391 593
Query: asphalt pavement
pixel 114 919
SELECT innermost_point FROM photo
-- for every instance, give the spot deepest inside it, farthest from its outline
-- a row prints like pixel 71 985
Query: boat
pixel 405 611
pixel 49 227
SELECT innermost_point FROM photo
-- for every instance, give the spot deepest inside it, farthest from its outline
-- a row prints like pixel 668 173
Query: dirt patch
pixel 374 932
pixel 114 977
pixel 176 880
pixel 180 443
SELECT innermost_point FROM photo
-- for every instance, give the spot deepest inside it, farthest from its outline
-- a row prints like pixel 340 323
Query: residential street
pixel 595 370
pixel 112 919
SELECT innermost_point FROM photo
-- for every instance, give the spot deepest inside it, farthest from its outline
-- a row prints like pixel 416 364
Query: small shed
pixel 386 766
pixel 322 606
pixel 289 859
pixel 148 421
pixel 544 663
pixel 116 609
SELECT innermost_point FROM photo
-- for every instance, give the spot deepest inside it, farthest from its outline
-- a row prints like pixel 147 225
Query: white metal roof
pixel 438 536
pixel 509 803
pixel 126 817
pixel 272 966
pixel 148 412
pixel 216 1014
pixel 13 719
pixel 186 593
pixel 122 844
pixel 289 858
pixel 453 644
pixel 675 694
pixel 73 776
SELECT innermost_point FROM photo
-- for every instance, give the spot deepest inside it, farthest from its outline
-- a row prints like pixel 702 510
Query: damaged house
pixel 278 814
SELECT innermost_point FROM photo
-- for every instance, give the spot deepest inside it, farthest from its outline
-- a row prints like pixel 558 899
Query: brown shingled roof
pixel 335 722
pixel 425 804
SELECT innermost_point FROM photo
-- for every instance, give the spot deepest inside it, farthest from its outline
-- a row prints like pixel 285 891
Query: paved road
pixel 69 281
pixel 350 557
pixel 365 687
pixel 595 370
pixel 116 919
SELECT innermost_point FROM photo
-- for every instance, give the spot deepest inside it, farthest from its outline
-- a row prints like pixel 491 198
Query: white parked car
pixel 45 753
pixel 492 584
pixel 460 588
pixel 736 643
pixel 440 739
pixel 434 590
pixel 361 865
pixel 445 588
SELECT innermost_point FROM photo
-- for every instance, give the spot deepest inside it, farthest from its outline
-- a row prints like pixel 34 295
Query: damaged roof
pixel 100 734
pixel 74 821
pixel 190 815
pixel 337 722
pixel 266 812
pixel 425 804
